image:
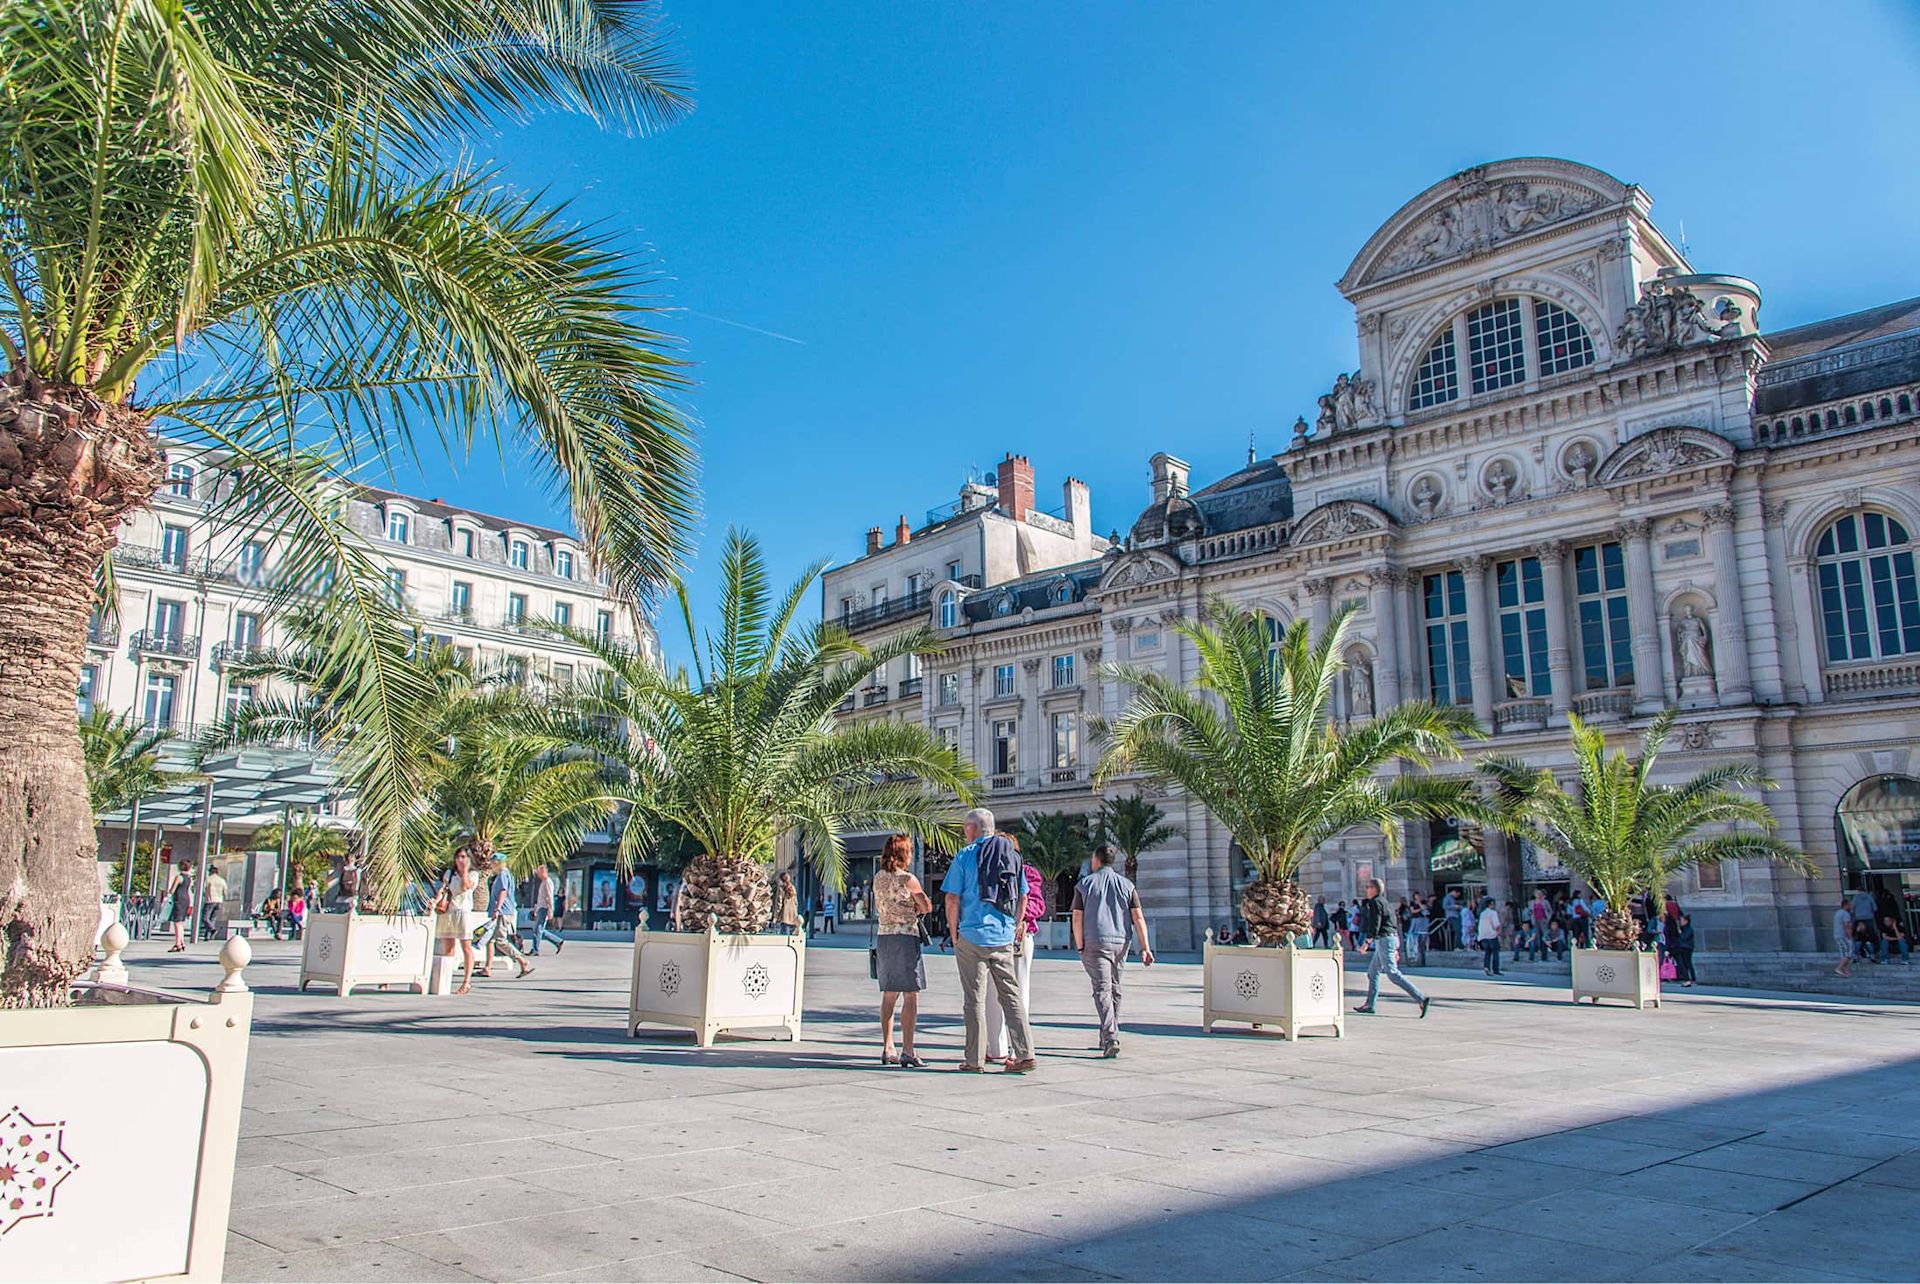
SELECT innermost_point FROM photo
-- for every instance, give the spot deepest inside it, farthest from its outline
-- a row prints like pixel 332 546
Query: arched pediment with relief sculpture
pixel 1135 570
pixel 1340 520
pixel 1665 452
pixel 1479 209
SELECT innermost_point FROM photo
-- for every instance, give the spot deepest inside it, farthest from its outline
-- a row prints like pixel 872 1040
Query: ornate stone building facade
pixel 1570 474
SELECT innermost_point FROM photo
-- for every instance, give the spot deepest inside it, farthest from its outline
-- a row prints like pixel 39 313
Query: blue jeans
pixel 1490 955
pixel 542 931
pixel 1386 958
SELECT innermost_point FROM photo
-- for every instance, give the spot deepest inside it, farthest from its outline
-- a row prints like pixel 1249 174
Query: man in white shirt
pixel 1843 937
pixel 1489 934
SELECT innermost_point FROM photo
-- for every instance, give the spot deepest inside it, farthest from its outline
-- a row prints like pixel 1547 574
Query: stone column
pixel 1499 869
pixel 1730 667
pixel 1386 640
pixel 1407 588
pixel 1319 604
pixel 1786 620
pixel 1036 751
pixel 1552 556
pixel 1479 637
pixel 1649 688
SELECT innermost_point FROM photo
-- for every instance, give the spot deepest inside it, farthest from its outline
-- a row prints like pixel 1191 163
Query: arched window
pixel 1003 605
pixel 949 609
pixel 1886 407
pixel 1869 601
pixel 1507 342
pixel 180 480
pixel 1063 591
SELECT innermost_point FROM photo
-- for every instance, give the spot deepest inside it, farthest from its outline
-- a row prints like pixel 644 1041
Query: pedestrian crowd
pixel 1869 929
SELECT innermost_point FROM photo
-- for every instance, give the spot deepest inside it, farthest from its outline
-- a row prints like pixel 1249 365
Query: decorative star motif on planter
pixel 33 1163
pixel 757 981
pixel 1317 987
pixel 1247 984
pixel 669 978
pixel 324 949
pixel 1605 974
pixel 390 950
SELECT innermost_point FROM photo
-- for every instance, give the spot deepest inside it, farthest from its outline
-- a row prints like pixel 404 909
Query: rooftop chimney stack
pixel 902 533
pixel 875 537
pixel 1169 477
pixel 1016 487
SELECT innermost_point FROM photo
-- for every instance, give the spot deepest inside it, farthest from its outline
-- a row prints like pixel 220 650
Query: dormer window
pixel 1003 604
pixel 1507 342
pixel 563 564
pixel 949 609
pixel 518 554
pixel 398 527
pixel 463 540
pixel 180 480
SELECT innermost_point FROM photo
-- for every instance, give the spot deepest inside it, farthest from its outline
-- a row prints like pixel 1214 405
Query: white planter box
pixel 1632 975
pixel 709 983
pixel 120 1120
pixel 1288 988
pixel 348 951
pixel 1053 935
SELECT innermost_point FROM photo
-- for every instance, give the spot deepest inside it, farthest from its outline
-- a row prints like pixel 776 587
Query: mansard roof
pixel 1042 591
pixel 1845 356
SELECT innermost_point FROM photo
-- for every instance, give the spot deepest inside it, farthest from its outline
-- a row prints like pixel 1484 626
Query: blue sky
pixel 1088 232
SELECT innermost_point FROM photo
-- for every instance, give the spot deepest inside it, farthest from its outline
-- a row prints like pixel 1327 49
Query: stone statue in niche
pixel 1360 687
pixel 1426 497
pixel 1692 645
pixel 1501 479
pixel 1580 462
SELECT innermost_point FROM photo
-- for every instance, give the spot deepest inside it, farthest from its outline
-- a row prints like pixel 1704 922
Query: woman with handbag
pixel 456 918
pixel 898 903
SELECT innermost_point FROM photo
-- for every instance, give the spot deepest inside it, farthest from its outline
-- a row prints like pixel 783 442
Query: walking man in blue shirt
pixel 987 940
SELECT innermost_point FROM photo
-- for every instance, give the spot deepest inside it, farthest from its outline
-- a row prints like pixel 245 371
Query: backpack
pixel 1003 880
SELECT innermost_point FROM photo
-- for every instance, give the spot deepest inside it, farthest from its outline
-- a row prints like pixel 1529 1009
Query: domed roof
pixel 1166 520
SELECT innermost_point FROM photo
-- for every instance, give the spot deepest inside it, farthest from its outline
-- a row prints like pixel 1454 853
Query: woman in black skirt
pixel 179 908
pixel 898 903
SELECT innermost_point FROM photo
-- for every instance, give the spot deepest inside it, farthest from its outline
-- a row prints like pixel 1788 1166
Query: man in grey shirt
pixel 1106 913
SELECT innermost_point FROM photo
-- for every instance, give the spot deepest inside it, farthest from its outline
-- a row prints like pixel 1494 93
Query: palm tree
pixel 1134 825
pixel 313 849
pixel 747 748
pixel 236 223
pixel 1625 835
pixel 1055 843
pixel 123 760
pixel 1257 744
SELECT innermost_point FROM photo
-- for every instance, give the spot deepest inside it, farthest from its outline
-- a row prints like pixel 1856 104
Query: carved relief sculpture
pixel 1580 463
pixel 1350 404
pixel 1480 217
pixel 1668 317
pixel 1500 480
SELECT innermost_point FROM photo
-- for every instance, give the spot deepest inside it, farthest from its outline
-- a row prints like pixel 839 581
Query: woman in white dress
pixel 459 919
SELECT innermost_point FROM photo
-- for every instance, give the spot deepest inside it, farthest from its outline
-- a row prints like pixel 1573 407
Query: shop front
pixel 1877 825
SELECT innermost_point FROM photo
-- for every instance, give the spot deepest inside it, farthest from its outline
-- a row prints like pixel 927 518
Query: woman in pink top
pixel 1036 909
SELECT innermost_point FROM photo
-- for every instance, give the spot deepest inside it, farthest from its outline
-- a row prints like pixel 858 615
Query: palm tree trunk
pixel 70 469
pixel 1133 868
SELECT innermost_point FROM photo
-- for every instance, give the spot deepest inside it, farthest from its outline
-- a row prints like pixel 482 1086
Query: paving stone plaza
pixel 519 1134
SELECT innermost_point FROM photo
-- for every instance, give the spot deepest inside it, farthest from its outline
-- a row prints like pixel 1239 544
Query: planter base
pixel 1632 976
pixel 708 983
pixel 1288 988
pixel 350 951
pixel 121 1118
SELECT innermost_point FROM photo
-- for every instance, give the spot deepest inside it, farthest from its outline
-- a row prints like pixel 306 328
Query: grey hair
pixel 981 817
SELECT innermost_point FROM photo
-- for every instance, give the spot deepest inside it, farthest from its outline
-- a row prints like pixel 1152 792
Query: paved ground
pixel 519 1134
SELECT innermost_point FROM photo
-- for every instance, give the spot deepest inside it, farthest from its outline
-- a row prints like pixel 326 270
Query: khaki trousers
pixel 981 967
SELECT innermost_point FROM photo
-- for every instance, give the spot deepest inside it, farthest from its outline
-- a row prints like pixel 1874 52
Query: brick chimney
pixel 902 533
pixel 875 536
pixel 1016 487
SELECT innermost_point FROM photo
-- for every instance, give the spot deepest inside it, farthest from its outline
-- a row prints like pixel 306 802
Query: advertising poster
pixel 606 891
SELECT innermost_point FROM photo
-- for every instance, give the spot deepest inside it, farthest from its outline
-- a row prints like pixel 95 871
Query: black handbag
pixel 873 954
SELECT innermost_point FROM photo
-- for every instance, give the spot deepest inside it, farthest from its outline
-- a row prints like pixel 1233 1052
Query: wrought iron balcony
pixel 873 696
pixel 240 653
pixel 911 686
pixel 103 633
pixel 154 642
